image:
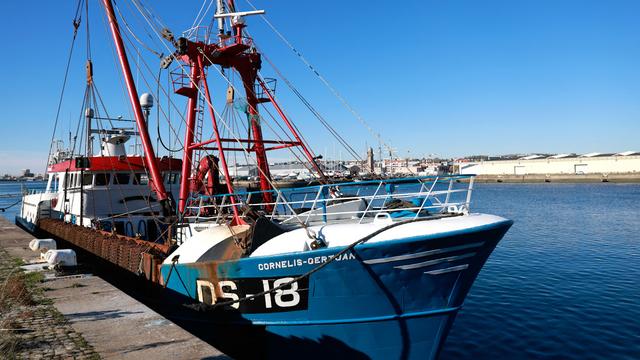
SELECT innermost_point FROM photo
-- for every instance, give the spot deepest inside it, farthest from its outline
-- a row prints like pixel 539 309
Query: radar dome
pixel 146 100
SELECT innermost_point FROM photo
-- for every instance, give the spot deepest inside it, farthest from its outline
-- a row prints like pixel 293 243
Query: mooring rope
pixel 10 206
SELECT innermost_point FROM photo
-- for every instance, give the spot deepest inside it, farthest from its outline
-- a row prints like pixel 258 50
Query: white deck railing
pixel 353 201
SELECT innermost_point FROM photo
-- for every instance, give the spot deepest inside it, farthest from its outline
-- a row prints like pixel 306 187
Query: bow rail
pixel 359 201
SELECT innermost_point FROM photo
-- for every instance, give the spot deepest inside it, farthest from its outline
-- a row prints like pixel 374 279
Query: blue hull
pixel 389 300
pixel 26 225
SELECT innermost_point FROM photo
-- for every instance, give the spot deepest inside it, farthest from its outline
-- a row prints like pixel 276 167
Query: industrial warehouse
pixel 623 166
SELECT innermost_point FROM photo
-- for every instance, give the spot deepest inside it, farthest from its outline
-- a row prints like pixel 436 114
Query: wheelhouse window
pixel 171 178
pixel 103 179
pixel 121 178
pixel 141 179
pixel 87 179
pixel 56 182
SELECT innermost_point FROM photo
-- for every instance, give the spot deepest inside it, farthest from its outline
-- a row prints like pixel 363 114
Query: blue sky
pixel 433 77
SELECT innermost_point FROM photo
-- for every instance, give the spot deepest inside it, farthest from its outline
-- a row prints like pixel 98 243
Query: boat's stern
pixel 35 206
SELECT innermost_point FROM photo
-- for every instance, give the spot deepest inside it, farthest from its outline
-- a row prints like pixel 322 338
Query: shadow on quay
pixel 225 329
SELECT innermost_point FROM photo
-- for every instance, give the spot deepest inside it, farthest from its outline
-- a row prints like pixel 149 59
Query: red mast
pixel 187 157
pixel 230 52
pixel 156 183
pixel 248 68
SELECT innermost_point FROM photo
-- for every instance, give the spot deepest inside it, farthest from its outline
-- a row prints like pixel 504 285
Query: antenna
pixel 239 14
pixel 219 11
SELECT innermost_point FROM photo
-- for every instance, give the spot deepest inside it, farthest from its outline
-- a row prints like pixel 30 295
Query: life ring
pixel 207 171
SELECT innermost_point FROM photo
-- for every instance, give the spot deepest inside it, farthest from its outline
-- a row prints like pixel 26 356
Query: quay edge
pixel 115 324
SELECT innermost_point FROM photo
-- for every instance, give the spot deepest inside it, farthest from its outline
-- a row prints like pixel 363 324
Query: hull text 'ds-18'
pixel 367 269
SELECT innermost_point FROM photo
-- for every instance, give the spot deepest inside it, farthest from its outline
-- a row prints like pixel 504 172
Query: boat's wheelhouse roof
pixel 115 163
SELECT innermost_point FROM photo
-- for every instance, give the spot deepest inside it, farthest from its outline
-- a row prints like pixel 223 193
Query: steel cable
pixel 76 24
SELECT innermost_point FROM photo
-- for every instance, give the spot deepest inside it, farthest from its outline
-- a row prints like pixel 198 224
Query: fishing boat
pixel 363 269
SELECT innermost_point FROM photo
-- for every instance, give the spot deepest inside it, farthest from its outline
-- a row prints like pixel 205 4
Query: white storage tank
pixel 42 245
pixel 64 257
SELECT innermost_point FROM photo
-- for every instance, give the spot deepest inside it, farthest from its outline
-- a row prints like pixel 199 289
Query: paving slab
pixel 113 323
pixel 118 326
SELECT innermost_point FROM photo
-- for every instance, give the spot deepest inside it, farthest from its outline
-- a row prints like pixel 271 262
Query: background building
pixel 592 163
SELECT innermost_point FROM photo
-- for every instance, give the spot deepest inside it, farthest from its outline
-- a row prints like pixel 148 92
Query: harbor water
pixel 564 283
pixel 11 195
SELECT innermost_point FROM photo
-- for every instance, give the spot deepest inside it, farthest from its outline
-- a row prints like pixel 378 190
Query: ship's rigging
pixel 198 50
pixel 292 262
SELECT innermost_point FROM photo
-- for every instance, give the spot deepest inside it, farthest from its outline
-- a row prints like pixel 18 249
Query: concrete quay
pixel 81 316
